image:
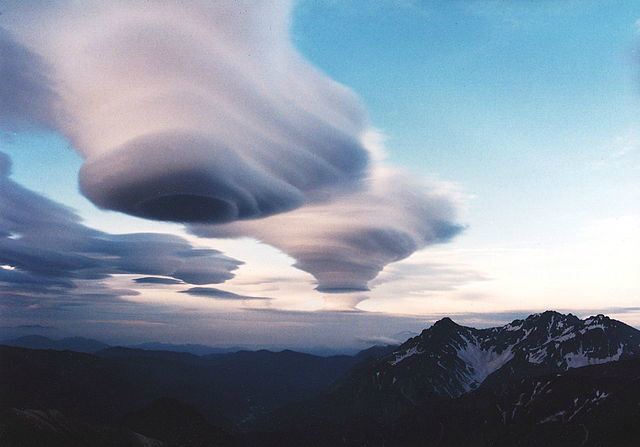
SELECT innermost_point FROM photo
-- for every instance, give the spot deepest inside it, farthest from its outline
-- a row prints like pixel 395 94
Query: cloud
pixel 156 280
pixel 345 243
pixel 381 341
pixel 192 111
pixel 46 250
pixel 27 96
pixel 204 113
pixel 211 292
pixel 426 276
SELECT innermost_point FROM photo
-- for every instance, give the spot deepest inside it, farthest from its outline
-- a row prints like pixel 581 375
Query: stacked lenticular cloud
pixel 193 112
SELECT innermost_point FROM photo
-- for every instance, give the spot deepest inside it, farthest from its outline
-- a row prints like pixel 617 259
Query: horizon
pixel 318 350
pixel 307 173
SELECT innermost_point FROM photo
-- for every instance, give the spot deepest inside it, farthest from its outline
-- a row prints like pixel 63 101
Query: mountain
pixel 164 423
pixel 51 428
pixel 242 385
pixel 588 406
pixel 448 360
pixel 78 344
pixel 550 379
pixel 226 388
pixel 591 406
pixel 178 424
pixel 190 348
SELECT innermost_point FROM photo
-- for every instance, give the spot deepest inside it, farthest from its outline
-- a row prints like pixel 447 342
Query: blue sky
pixel 526 112
pixel 515 101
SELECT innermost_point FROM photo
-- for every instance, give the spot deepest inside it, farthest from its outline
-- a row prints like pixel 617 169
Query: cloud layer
pixel 189 111
pixel 212 292
pixel 46 250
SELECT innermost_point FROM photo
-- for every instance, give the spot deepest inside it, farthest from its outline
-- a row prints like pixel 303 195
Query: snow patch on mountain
pixel 400 356
pixel 482 362
pixel 537 357
pixel 592 327
pixel 581 358
pixel 554 417
pixel 511 328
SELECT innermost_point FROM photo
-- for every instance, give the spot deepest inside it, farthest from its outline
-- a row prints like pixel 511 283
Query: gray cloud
pixel 27 96
pixel 156 280
pixel 46 250
pixel 212 292
pixel 345 243
pixel 193 111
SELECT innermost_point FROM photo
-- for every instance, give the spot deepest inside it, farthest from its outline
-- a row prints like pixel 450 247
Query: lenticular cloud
pixel 202 112
pixel 345 243
pixel 193 111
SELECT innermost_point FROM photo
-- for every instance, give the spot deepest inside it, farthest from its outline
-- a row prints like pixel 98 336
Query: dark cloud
pixel 211 292
pixel 46 250
pixel 207 112
pixel 155 280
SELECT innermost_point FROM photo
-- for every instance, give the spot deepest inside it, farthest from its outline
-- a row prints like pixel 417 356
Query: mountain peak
pixel 545 314
pixel 445 322
pixel 552 318
pixel 597 319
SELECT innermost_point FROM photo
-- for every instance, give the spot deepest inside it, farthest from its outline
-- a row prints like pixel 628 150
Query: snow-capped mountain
pixel 453 372
pixel 449 360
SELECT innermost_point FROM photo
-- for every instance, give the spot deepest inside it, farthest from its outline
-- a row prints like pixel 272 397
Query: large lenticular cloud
pixel 195 111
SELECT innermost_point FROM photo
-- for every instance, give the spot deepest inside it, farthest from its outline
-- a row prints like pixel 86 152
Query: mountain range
pixel 78 344
pixel 549 379
pixel 82 344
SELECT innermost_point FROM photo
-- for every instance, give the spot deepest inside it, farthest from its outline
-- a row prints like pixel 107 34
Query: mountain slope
pixel 591 406
pixel 177 424
pixel 588 406
pixel 114 381
pixel 51 428
pixel 77 344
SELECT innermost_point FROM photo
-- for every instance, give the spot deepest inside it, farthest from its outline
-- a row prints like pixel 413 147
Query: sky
pixel 317 173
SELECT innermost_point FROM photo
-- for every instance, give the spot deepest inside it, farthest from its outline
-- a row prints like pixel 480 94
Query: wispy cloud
pixel 156 280
pixel 212 292
pixel 621 151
